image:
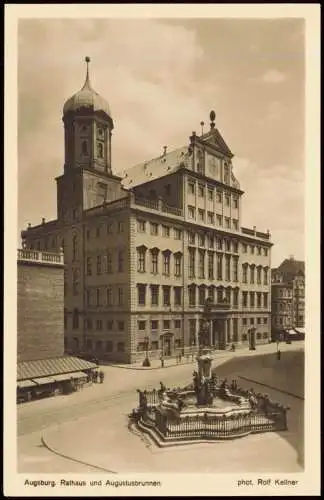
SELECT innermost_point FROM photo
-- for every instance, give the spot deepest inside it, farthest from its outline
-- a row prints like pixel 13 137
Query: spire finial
pixel 212 117
pixel 87 80
pixel 202 127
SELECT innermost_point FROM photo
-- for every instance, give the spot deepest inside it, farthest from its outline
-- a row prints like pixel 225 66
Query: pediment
pixel 214 139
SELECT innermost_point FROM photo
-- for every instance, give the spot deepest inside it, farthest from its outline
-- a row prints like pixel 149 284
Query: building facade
pixel 145 250
pixel 288 296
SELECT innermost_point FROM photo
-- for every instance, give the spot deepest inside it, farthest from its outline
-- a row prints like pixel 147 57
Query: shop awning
pixel 44 380
pixel 52 366
pixel 78 375
pixel 22 384
pixel 67 376
pixel 300 330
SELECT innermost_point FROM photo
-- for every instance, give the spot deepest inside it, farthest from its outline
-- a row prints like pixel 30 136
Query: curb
pixel 272 387
pixel 72 459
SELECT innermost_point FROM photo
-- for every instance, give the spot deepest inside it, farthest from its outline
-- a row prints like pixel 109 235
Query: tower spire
pixel 87 83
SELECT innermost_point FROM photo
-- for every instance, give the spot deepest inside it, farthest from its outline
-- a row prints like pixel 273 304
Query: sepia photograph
pixel 161 270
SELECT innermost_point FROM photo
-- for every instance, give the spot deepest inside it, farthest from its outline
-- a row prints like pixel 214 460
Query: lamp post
pixel 146 361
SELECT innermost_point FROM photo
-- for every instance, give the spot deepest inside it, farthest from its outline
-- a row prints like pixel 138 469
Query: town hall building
pixel 144 250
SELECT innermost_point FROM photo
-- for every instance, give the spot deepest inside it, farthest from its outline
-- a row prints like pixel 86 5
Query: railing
pixel 38 256
pixel 253 232
pixel 144 202
pixel 158 204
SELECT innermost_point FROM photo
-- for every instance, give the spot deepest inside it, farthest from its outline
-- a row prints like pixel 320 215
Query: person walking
pixel 101 376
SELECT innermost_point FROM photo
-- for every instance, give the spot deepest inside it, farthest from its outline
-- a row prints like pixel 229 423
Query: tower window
pixel 85 148
pixel 100 150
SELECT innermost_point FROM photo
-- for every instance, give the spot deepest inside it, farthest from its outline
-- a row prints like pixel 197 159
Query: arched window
pixel 84 147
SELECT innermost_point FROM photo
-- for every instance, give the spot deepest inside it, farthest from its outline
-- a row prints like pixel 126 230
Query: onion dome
pixel 87 97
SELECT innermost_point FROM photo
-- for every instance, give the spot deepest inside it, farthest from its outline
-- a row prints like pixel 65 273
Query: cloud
pixel 271 197
pixel 273 76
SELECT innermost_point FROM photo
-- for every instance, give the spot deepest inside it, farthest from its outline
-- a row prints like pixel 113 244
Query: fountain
pixel 206 410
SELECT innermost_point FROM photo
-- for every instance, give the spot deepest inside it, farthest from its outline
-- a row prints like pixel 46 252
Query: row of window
pixel 104 263
pixel 225 244
pixel 252 276
pixel 155 295
pixel 199 268
pixel 98 324
pixel 201 191
pixel 154 324
pixel 109 229
pixel 155 260
pixel 210 219
pixel 109 296
pixel 85 149
pixel 246 321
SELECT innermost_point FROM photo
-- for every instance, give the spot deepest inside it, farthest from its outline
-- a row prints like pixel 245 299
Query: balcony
pixel 40 257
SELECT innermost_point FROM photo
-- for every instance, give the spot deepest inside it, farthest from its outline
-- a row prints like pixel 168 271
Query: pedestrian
pixel 162 362
pixel 101 376
pixel 180 358
pixel 279 355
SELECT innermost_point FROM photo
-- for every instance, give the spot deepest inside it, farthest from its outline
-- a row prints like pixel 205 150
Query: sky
pixel 161 78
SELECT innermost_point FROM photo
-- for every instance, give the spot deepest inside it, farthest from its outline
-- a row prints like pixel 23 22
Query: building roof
pixel 155 168
pixel 51 366
pixel 87 97
pixel 289 269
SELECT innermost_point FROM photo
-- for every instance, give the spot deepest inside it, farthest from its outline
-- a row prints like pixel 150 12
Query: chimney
pixel 43 220
pixel 165 150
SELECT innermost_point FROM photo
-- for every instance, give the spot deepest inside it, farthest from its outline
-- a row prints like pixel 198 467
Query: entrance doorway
pixel 219 340
pixel 167 346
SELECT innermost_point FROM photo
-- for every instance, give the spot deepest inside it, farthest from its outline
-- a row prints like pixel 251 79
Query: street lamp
pixel 146 361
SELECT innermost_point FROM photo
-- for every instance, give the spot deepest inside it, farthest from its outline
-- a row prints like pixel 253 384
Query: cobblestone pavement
pixel 91 425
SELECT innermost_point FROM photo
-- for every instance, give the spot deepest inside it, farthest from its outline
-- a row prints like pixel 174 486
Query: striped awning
pixel 52 366
pixel 22 384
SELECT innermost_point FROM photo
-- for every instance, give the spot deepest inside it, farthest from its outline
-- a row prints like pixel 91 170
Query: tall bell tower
pixel 87 180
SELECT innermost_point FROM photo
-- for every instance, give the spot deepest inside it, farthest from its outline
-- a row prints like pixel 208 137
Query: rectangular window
pixel 99 324
pixel 210 194
pixel 121 326
pixel 228 268
pixel 177 324
pixel 192 295
pixel 110 325
pixel 210 265
pixel 201 214
pixel 166 264
pixel 201 263
pixel 154 295
pixel 166 231
pixel 251 321
pixel 235 247
pixel 252 275
pixel 177 296
pixel 265 320
pixel 210 218
pixel 210 241
pixel 154 229
pixel 177 234
pixel 177 265
pixel 259 299
pixel 235 203
pixel 192 262
pixel 141 294
pixel 244 247
pixel 141 260
pixel 219 196
pixel 109 346
pixel 259 275
pixel 235 298
pixel 227 200
pixel 166 324
pixel 201 190
pixel 192 331
pixel 202 295
pixel 252 249
pixel 265 276
pixel 201 240
pixel 154 262
pixel 235 269
pixel 166 295
pixel 154 324
pixel 141 226
pixel 265 300
pixel 259 321
pixel 211 293
pixel 191 212
pixel 120 227
pixel 89 266
pixel 227 222
pixel 98 297
pixel 191 237
pixel 98 264
pixel 227 245
pixel 109 297
pixel 141 325
pixel 109 263
pixel 245 270
pixel 120 297
pixel 245 299
pixel 259 250
pixel 219 220
pixel 252 302
pixel 109 228
pixel 244 321
pixel 219 267
pixel 265 251
pixel 235 224
pixel 120 261
pixel 191 188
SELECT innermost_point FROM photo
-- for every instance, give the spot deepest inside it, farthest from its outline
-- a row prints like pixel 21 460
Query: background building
pixel 144 250
pixel 40 324
pixel 288 296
